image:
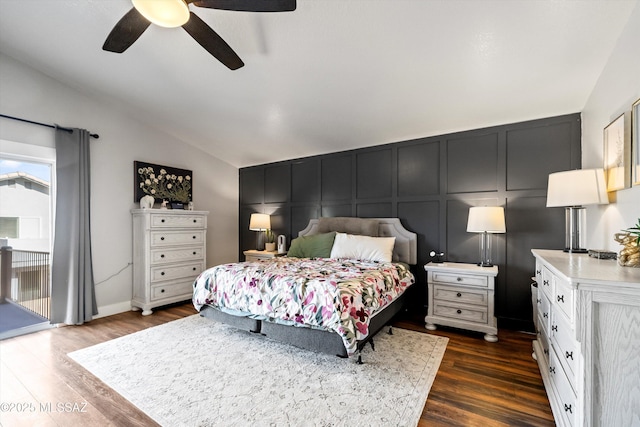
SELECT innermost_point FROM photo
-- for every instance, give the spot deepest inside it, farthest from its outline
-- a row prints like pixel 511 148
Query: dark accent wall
pixel 430 183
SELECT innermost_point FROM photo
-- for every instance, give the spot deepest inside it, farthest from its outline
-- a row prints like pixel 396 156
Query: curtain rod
pixel 93 135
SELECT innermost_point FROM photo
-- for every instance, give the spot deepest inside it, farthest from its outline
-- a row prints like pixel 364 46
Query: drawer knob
pixel 458 294
pixel 560 298
pixel 161 291
pixel 162 220
pixel 546 351
pixel 194 237
pixel 459 279
pixel 459 311
pixel 567 408
pixel 552 369
pixel 568 355
pixel 162 273
pixel 539 300
pixel 161 255
pixel 194 269
pixel 162 238
pixel 194 252
pixel 538 272
pixel 545 282
pixel 545 315
pixel 194 221
pixel 554 328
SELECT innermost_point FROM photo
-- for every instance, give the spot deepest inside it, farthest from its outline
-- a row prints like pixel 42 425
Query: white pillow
pixel 363 247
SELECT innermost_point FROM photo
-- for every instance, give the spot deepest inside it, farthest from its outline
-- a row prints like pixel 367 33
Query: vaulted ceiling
pixel 332 75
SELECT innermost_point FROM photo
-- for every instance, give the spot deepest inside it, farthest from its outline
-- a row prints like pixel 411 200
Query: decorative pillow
pixel 349 225
pixel 363 247
pixel 313 246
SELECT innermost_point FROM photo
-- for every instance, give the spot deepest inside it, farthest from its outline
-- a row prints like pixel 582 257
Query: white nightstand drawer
pixel 168 290
pixel 166 238
pixel 178 271
pixel 460 294
pixel 460 312
pixel 163 256
pixel 460 279
pixel 177 221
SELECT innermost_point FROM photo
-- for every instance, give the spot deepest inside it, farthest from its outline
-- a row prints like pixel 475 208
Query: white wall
pixel 616 90
pixel 29 94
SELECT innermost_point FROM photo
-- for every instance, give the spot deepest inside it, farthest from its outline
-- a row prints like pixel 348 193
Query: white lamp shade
pixel 577 188
pixel 165 13
pixel 486 218
pixel 259 222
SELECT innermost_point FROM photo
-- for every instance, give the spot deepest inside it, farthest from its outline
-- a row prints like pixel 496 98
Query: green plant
pixel 635 231
pixel 269 236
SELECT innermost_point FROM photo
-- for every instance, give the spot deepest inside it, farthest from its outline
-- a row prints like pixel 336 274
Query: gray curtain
pixel 73 299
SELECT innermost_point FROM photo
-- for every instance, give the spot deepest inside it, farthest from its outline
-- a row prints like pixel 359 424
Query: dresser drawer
pixel 544 312
pixel 564 298
pixel 169 290
pixel 165 255
pixel 167 238
pixel 460 279
pixel 460 312
pixel 547 282
pixel 178 271
pixel 460 294
pixel 566 398
pixel 177 221
pixel 566 346
pixel 543 339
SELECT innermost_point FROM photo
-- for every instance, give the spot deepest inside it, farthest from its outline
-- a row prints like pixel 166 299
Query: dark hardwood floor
pixel 478 384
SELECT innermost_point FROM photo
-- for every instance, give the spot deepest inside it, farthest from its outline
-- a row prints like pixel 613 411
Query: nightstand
pixel 462 296
pixel 253 255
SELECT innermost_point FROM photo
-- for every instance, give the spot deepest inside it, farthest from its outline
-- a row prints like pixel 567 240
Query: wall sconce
pixel 571 190
pixel 486 220
pixel 259 222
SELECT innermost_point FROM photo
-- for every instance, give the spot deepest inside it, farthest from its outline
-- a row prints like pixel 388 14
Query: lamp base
pixel 484 264
pixel 576 251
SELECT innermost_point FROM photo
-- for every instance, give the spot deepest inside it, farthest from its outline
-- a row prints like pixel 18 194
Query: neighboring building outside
pixel 25 212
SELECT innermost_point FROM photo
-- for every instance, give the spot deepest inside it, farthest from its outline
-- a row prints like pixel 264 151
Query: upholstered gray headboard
pixel 406 245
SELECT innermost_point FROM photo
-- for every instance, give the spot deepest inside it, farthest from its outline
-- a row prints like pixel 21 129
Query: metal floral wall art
pixel 162 183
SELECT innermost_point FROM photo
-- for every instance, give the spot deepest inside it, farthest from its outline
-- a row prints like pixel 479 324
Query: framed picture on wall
pixel 617 153
pixel 635 143
pixel 163 183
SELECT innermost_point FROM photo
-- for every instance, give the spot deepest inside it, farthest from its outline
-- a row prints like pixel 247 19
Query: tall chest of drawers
pixel 169 251
pixel 588 339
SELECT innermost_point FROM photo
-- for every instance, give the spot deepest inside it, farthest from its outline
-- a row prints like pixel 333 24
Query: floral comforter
pixel 336 295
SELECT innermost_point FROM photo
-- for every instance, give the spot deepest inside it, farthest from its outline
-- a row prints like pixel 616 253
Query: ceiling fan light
pixel 165 13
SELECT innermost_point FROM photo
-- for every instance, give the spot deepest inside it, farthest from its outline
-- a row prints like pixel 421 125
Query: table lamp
pixel 260 223
pixel 486 220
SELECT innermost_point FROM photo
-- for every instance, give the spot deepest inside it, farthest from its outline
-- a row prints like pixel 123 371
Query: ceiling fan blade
pixel 212 42
pixel 249 5
pixel 126 31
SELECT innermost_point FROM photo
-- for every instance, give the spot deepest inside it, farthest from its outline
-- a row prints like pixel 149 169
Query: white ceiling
pixel 332 75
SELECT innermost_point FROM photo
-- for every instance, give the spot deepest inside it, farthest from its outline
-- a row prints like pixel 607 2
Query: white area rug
pixel 196 372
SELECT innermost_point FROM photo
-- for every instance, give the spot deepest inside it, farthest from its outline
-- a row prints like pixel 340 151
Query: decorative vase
pixel 630 255
pixel 146 202
pixel 270 247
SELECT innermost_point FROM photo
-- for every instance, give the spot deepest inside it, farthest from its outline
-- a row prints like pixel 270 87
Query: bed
pixel 341 282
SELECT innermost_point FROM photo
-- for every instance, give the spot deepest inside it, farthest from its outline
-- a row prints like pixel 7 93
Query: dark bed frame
pixel 405 250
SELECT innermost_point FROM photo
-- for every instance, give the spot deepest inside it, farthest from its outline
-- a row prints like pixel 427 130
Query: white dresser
pixel 588 343
pixel 169 251
pixel 462 296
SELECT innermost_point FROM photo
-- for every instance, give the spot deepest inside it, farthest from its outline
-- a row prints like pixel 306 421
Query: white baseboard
pixel 111 309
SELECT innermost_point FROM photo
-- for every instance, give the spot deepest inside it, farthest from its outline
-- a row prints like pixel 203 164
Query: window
pixel 9 227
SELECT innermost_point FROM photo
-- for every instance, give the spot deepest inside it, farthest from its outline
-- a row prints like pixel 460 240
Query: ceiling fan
pixel 176 13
